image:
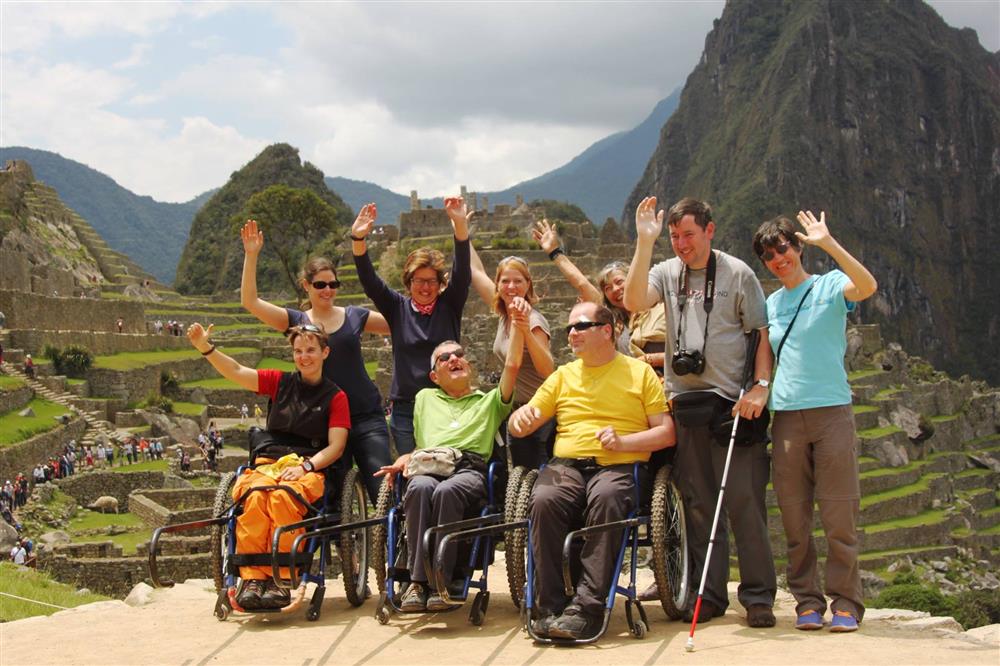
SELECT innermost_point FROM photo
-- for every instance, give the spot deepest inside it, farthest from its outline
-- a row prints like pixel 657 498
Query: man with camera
pixel 713 300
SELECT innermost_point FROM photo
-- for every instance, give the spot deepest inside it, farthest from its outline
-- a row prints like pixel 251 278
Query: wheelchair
pixel 340 516
pixel 389 548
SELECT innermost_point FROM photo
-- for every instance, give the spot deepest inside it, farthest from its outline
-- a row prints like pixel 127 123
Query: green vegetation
pixel 14 428
pixel 73 361
pixel 862 374
pixel 874 433
pixel 138 360
pixel 887 393
pixel 223 383
pixel 37 586
pixel 559 210
pixel 8 383
pixel 188 408
pixel 922 484
pixel 864 409
pixel 971 608
pixel 371 367
pixel 922 519
pixel 89 527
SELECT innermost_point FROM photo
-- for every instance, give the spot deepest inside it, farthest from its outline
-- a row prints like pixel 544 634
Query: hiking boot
pixel 760 616
pixel 250 593
pixel 574 624
pixel 707 612
pixel 541 625
pixel 274 596
pixel 414 599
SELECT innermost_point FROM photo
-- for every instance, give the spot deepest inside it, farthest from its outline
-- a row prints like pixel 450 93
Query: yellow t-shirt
pixel 584 399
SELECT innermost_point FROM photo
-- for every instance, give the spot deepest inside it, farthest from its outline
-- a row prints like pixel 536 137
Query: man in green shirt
pixel 456 416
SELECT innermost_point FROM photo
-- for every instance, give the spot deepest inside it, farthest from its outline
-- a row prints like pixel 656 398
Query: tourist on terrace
pixel 368 442
pixel 429 314
pixel 305 405
pixel 814 447
pixel 511 294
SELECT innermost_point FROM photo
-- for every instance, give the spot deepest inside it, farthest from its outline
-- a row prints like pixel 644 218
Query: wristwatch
pixel 308 465
pixel 762 382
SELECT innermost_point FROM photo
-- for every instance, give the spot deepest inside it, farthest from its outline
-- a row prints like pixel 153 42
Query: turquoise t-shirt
pixel 467 423
pixel 811 369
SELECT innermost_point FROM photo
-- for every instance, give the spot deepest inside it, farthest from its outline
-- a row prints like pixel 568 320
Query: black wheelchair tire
pixel 220 533
pixel 671 563
pixel 516 541
pixel 353 546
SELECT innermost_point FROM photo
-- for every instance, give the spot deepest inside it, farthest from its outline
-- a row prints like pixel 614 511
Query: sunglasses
pixel 321 284
pixel 306 328
pixel 447 356
pixel 581 326
pixel 780 248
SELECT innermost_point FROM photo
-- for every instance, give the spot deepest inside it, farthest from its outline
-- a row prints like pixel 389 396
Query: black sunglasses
pixel 321 284
pixel 583 326
pixel 444 357
pixel 306 328
pixel 780 248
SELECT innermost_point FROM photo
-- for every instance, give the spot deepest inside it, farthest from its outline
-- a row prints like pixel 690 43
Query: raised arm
pixel 515 355
pixel 639 294
pixel 481 281
pixel 535 339
pixel 545 235
pixel 269 313
pixel 382 295
pixel 461 273
pixel 862 283
pixel 228 367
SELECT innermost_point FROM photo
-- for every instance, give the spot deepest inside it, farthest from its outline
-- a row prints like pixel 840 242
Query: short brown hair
pixel 315 331
pixel 774 232
pixel 424 257
pixel 520 265
pixel 701 211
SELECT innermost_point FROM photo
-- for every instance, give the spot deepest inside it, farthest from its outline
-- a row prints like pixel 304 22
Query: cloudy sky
pixel 170 98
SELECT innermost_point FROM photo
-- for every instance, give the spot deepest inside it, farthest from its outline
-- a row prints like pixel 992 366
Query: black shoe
pixel 543 623
pixel 274 596
pixel 651 593
pixel 249 596
pixel 707 612
pixel 760 616
pixel 574 624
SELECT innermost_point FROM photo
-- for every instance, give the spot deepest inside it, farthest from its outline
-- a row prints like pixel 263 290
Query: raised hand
pixel 457 210
pixel 252 237
pixel 365 221
pixel 520 314
pixel 816 232
pixel 199 336
pixel 648 222
pixel 545 235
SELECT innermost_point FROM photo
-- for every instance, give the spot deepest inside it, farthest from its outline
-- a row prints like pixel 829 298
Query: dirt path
pixel 177 627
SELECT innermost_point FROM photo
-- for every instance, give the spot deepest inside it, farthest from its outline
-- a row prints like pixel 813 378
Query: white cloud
pixel 136 58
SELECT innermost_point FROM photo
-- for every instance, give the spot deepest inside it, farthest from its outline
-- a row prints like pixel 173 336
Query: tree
pixel 295 221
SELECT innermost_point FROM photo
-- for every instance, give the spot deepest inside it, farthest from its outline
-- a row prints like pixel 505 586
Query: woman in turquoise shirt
pixel 815 452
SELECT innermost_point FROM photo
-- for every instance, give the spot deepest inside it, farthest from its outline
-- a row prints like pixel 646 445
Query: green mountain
pixel 212 259
pixel 881 115
pixel 150 232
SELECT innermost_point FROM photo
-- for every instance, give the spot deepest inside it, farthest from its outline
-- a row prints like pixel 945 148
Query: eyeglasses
pixel 780 248
pixel 424 282
pixel 444 357
pixel 321 284
pixel 581 326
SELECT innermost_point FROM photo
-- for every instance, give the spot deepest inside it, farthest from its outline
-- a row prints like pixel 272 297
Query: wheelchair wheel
pixel 220 533
pixel 353 545
pixel 671 566
pixel 380 535
pixel 516 541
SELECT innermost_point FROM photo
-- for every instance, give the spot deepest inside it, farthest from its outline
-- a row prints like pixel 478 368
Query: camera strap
pixel 777 355
pixel 682 296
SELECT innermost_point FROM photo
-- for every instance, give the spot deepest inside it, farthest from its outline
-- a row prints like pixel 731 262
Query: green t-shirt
pixel 467 423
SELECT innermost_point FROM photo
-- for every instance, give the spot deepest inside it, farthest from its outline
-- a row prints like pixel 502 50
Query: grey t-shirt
pixel 739 308
pixel 528 379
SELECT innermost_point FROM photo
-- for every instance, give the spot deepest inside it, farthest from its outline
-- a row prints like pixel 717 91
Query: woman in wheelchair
pixel 310 409
pixel 452 416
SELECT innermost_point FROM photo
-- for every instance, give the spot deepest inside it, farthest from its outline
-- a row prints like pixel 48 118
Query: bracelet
pixel 356 239
pixel 555 253
pixel 206 353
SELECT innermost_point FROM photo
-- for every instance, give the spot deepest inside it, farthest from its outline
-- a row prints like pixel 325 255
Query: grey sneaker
pixel 414 599
pixel 436 603
pixel 541 625
pixel 574 624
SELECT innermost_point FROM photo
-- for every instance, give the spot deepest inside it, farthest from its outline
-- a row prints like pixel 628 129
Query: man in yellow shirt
pixel 610 413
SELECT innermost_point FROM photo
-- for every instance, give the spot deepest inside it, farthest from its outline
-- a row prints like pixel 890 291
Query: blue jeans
pixel 368 446
pixel 401 425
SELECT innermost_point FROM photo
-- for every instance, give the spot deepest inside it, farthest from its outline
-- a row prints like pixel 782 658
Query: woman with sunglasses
pixel 648 328
pixel 815 453
pixel 368 443
pixel 429 313
pixel 511 294
pixel 313 414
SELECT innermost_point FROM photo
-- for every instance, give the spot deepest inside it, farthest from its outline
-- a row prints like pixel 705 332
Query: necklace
pixel 455 412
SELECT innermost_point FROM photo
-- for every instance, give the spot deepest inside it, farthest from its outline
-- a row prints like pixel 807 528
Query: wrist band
pixel 555 253
pixel 355 238
pixel 206 353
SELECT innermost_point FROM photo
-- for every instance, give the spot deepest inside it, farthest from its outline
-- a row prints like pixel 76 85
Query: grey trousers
pixel 564 499
pixel 816 460
pixel 428 502
pixel 698 467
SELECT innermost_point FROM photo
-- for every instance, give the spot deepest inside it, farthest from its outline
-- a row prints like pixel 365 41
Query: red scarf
pixel 424 309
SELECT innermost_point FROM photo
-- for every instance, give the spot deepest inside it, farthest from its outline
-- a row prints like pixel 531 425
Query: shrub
pixel 158 401
pixel 168 383
pixel 74 361
pixel 976 608
pixel 913 597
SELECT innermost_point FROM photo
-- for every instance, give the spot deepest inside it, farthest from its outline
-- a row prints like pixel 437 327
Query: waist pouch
pixel 701 409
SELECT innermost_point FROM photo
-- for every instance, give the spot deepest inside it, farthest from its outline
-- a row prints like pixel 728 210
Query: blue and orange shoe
pixel 809 620
pixel 843 622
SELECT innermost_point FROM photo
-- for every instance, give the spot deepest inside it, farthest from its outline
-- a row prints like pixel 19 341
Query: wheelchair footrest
pixel 303 559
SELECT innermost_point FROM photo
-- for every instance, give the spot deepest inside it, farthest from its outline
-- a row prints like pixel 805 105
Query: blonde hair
pixel 603 280
pixel 424 257
pixel 520 265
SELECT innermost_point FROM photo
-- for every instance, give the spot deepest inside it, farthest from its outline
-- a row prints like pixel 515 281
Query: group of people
pixel 172 327
pixel 660 358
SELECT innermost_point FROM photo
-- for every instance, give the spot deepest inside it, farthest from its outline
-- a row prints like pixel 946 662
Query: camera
pixel 686 362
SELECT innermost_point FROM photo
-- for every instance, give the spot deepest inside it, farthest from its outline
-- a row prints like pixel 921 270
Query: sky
pixel 170 98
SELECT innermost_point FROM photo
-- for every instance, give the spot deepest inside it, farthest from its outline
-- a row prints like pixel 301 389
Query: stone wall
pixel 159 508
pixel 15 399
pixel 15 272
pixel 23 456
pixel 116 576
pixel 424 222
pixel 74 314
pixel 87 487
pixel 96 342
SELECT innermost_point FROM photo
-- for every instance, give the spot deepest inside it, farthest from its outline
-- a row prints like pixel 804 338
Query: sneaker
pixel 541 625
pixel 574 624
pixel 274 596
pixel 250 593
pixel 843 622
pixel 707 612
pixel 414 599
pixel 809 620
pixel 651 593
pixel 435 603
pixel 760 616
